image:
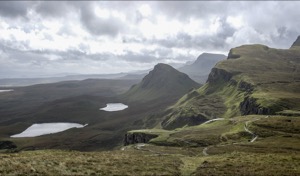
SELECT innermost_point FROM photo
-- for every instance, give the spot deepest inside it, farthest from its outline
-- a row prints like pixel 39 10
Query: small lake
pixel 39 129
pixel 8 90
pixel 114 107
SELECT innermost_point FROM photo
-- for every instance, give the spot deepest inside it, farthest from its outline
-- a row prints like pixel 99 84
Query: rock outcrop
pixel 249 106
pixel 138 137
pixel 232 56
pixel 7 145
pixel 244 86
pixel 217 74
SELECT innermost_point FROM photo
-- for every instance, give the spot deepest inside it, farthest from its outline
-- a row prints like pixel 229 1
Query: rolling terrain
pixel 243 121
pixel 80 101
pixel 255 79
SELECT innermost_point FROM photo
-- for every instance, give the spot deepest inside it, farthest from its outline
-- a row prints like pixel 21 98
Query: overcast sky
pixel 48 38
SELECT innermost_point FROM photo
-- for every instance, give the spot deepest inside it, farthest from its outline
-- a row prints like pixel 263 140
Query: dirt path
pixel 205 151
pixel 212 120
pixel 254 136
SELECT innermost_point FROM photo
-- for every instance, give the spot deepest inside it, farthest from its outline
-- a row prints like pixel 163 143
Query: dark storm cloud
pixel 14 9
pixel 54 8
pixel 99 26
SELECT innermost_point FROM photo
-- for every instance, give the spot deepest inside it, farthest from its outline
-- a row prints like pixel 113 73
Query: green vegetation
pixel 255 79
pixel 55 162
pixel 277 145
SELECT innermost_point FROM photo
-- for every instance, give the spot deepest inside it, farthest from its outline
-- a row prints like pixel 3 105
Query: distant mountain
pixel 10 82
pixel 297 42
pixel 200 69
pixel 162 82
pixel 131 76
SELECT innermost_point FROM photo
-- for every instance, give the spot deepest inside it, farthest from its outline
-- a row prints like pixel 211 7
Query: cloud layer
pixel 46 38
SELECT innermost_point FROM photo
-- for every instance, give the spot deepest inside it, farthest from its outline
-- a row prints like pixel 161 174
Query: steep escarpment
pixel 218 74
pixel 255 79
pixel 138 137
pixel 250 106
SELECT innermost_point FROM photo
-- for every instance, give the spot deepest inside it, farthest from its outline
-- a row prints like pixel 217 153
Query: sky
pixel 56 38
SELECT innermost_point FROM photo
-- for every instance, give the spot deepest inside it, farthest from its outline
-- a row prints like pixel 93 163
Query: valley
pixel 244 120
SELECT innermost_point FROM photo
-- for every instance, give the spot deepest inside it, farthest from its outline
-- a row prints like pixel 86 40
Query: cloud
pixel 108 25
pixel 13 9
pixel 55 9
pixel 103 37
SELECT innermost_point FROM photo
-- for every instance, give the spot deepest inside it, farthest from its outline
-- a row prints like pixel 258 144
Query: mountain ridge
pixel 201 67
pixel 161 82
pixel 249 81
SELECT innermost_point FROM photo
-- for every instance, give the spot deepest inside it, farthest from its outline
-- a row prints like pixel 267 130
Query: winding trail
pixel 205 151
pixel 254 136
pixel 140 146
pixel 212 120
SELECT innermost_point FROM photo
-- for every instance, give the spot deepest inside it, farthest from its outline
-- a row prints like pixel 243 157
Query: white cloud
pixel 145 10
pixel 102 37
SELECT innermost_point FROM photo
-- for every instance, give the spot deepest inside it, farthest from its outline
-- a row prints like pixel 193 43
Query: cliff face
pixel 133 138
pixel 7 145
pixel 218 74
pixel 249 106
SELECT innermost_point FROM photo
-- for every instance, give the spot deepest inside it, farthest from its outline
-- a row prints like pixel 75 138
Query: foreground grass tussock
pixel 55 162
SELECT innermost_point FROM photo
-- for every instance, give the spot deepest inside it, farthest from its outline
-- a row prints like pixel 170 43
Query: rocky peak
pixel 297 42
pixel 162 73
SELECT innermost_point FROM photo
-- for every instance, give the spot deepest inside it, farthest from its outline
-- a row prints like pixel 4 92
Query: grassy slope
pixel 73 101
pixel 179 151
pixel 230 152
pixel 272 74
pixel 22 100
pixel 275 73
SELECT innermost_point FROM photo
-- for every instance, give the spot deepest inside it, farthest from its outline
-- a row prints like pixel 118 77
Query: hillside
pixel 19 102
pixel 218 148
pixel 163 82
pixel 252 99
pixel 255 79
pixel 200 69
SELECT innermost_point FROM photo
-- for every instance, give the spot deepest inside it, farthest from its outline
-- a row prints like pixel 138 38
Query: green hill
pixel 163 83
pixel 255 79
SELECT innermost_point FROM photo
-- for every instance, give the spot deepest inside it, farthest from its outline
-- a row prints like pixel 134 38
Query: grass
pixel 272 73
pixel 275 154
pixel 241 163
pixel 55 162
pixel 289 113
